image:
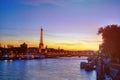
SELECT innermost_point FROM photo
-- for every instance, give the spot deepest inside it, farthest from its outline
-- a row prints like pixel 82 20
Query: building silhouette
pixel 41 45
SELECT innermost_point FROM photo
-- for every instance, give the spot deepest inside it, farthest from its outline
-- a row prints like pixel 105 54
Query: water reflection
pixel 45 69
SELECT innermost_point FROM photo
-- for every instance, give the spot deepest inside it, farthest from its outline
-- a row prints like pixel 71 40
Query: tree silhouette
pixel 23 48
pixel 111 41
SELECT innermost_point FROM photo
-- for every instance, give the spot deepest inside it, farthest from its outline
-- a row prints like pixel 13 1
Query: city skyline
pixel 70 25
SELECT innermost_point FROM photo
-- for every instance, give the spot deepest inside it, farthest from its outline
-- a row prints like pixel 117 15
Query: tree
pixel 111 41
pixel 23 48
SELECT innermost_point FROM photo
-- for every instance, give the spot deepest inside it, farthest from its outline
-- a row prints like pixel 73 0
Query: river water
pixel 45 69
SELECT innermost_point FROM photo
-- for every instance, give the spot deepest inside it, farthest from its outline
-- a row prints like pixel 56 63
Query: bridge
pixel 69 53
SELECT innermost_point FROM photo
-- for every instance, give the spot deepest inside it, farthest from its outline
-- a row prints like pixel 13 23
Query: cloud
pixel 51 35
pixel 91 41
pixel 53 2
pixel 69 44
pixel 22 41
pixel 7 35
pixel 38 2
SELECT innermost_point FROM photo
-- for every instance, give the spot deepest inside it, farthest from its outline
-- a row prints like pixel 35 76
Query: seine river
pixel 45 69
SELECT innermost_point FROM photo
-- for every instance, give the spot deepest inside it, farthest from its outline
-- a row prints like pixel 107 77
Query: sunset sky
pixel 67 24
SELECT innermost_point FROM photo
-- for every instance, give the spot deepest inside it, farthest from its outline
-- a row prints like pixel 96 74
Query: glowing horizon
pixel 70 25
pixel 71 42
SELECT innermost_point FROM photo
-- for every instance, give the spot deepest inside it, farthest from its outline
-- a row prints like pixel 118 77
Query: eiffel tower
pixel 41 45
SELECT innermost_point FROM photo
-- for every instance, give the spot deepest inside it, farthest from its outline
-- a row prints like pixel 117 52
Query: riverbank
pixel 22 57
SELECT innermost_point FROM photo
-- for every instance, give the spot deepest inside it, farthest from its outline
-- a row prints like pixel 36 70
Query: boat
pixel 82 65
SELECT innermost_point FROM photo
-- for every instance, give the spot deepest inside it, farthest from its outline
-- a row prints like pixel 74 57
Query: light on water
pixel 45 69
